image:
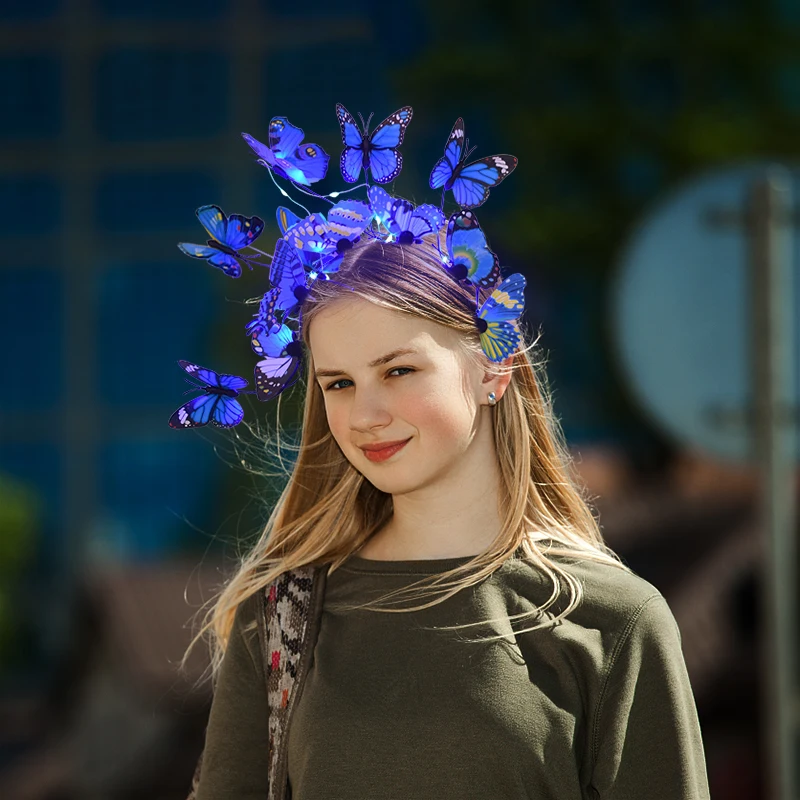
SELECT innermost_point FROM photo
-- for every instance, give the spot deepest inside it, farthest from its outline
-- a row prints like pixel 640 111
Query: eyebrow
pixel 403 351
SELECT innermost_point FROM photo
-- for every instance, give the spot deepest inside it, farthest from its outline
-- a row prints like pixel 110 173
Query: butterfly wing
pixel 391 131
pixel 351 133
pixel 207 376
pixel 311 234
pixel 385 165
pixel 400 214
pixel 287 275
pixel 453 151
pixel 196 412
pixel 227 412
pixel 286 219
pixel 271 341
pixel 265 156
pixel 352 156
pixel 228 263
pixel 500 313
pixel 385 162
pixel 233 382
pixel 471 187
pixel 273 375
pixel 500 339
pixel 264 319
pixel 284 138
pixel 507 301
pixel 348 219
pixel 311 160
pixel 467 248
pixel 433 214
pixel 213 219
pixel 380 202
pixel 241 231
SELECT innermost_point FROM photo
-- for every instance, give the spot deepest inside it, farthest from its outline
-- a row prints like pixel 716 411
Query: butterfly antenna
pixel 193 385
pixel 369 118
pixel 469 151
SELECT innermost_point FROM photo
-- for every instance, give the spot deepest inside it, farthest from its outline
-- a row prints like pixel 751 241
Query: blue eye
pixel 332 385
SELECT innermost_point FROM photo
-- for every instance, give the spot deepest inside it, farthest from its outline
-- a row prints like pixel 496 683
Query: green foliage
pixel 19 528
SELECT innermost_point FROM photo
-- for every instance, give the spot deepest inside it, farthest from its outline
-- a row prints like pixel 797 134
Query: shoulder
pixel 616 603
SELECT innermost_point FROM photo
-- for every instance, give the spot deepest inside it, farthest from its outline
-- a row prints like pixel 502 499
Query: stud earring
pixel 492 399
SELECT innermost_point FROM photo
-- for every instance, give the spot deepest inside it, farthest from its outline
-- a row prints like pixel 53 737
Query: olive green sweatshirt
pixel 598 706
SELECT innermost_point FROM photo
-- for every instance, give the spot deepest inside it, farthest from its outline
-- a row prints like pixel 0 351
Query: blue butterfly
pixel 497 318
pixel 228 235
pixel 216 406
pixel 324 241
pixel 288 277
pixel 264 319
pixel 375 152
pixel 470 184
pixel 286 218
pixel 281 351
pixel 406 224
pixel 470 258
pixel 286 156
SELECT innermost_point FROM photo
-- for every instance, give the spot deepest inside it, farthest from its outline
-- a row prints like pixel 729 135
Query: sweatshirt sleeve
pixel 234 760
pixel 646 739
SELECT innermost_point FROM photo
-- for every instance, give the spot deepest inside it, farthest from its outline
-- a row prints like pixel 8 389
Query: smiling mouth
pixel 385 452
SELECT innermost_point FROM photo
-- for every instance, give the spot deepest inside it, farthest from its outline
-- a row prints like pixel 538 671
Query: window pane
pixel 30 86
pixel 139 202
pixel 162 94
pixel 31 316
pixel 148 317
pixel 29 204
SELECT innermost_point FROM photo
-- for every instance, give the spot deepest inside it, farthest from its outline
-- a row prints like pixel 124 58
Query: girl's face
pixel 430 396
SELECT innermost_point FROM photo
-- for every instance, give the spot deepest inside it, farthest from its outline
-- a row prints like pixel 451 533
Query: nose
pixel 369 411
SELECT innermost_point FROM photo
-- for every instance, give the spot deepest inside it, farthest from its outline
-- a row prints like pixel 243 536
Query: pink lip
pixel 384 451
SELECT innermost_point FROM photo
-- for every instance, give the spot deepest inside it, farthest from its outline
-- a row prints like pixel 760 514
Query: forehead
pixel 353 330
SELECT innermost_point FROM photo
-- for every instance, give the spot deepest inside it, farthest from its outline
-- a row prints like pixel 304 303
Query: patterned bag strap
pixel 282 621
pixel 288 612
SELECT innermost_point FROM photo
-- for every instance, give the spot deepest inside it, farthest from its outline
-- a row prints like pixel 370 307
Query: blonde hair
pixel 327 509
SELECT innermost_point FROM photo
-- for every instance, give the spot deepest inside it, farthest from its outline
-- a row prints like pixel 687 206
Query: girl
pixel 473 637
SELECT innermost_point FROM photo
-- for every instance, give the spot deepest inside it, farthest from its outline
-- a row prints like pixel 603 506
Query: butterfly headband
pixel 311 248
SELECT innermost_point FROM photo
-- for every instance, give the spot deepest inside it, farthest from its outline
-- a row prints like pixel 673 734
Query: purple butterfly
pixel 324 241
pixel 406 224
pixel 282 353
pixel 228 236
pixel 470 183
pixel 217 405
pixel 469 256
pixel 374 152
pixel 286 156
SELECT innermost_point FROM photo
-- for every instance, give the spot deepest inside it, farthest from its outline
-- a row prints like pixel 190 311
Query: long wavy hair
pixel 327 509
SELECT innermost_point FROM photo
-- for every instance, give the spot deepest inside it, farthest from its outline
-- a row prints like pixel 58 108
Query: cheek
pixel 443 419
pixel 338 421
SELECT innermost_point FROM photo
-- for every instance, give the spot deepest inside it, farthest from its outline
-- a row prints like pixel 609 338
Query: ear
pixel 497 382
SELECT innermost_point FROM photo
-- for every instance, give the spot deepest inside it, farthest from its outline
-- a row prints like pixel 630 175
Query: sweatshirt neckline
pixel 423 566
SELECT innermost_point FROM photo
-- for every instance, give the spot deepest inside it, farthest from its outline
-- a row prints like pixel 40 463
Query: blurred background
pixel 120 117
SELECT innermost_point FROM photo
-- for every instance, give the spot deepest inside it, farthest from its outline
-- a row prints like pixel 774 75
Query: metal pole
pixel 773 364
